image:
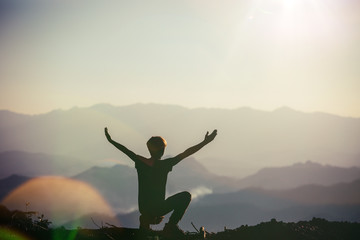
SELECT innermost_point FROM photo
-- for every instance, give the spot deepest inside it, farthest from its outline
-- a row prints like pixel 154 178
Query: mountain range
pixel 283 164
pixel 189 174
pixel 217 200
pixel 248 140
pixel 340 202
pixel 38 164
pixel 299 174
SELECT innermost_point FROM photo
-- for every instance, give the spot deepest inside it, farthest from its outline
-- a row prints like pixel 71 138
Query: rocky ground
pixel 16 225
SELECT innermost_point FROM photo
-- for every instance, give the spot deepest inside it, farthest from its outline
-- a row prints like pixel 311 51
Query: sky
pixel 264 54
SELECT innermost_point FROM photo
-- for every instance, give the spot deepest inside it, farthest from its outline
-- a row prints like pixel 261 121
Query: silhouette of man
pixel 152 177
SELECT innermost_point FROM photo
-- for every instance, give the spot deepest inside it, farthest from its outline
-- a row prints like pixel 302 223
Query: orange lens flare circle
pixel 60 199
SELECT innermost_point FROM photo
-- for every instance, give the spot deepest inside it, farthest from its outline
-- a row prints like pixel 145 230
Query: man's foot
pixel 145 221
pixel 144 233
pixel 173 231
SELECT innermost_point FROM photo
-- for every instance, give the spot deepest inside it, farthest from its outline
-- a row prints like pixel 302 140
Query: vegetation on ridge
pixel 21 225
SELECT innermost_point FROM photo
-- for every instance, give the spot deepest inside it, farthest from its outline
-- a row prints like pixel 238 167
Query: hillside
pixel 337 194
pixel 339 202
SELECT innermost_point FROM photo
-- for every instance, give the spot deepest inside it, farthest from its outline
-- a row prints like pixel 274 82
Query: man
pixel 152 177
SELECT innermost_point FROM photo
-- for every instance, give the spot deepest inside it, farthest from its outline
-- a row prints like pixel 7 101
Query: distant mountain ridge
pixel 299 174
pixel 248 138
pixel 336 194
pixel 252 206
pixel 118 186
pixel 11 183
pixel 187 175
pixel 38 164
pixel 339 202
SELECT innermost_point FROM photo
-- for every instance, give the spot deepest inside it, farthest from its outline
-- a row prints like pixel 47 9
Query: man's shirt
pixel 152 182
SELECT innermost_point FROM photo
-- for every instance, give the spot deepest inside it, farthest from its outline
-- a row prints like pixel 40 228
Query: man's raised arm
pixel 208 138
pixel 121 147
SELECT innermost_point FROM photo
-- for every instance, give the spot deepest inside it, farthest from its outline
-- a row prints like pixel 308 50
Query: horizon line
pixel 283 107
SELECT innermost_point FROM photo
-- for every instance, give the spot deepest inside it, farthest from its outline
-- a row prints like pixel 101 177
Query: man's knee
pixel 187 197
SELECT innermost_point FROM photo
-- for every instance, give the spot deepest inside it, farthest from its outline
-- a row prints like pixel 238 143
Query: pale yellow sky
pixel 304 54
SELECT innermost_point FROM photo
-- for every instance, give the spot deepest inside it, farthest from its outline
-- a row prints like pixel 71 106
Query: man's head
pixel 156 146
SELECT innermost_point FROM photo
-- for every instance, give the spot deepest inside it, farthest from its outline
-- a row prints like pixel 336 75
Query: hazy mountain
pixel 216 217
pixel 248 139
pixel 339 202
pixel 10 183
pixel 192 175
pixel 340 194
pixel 299 174
pixel 38 164
pixel 118 184
pixel 9 119
pixel 253 206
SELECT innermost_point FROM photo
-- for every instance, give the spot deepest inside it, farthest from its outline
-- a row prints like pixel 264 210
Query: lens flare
pixel 60 199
